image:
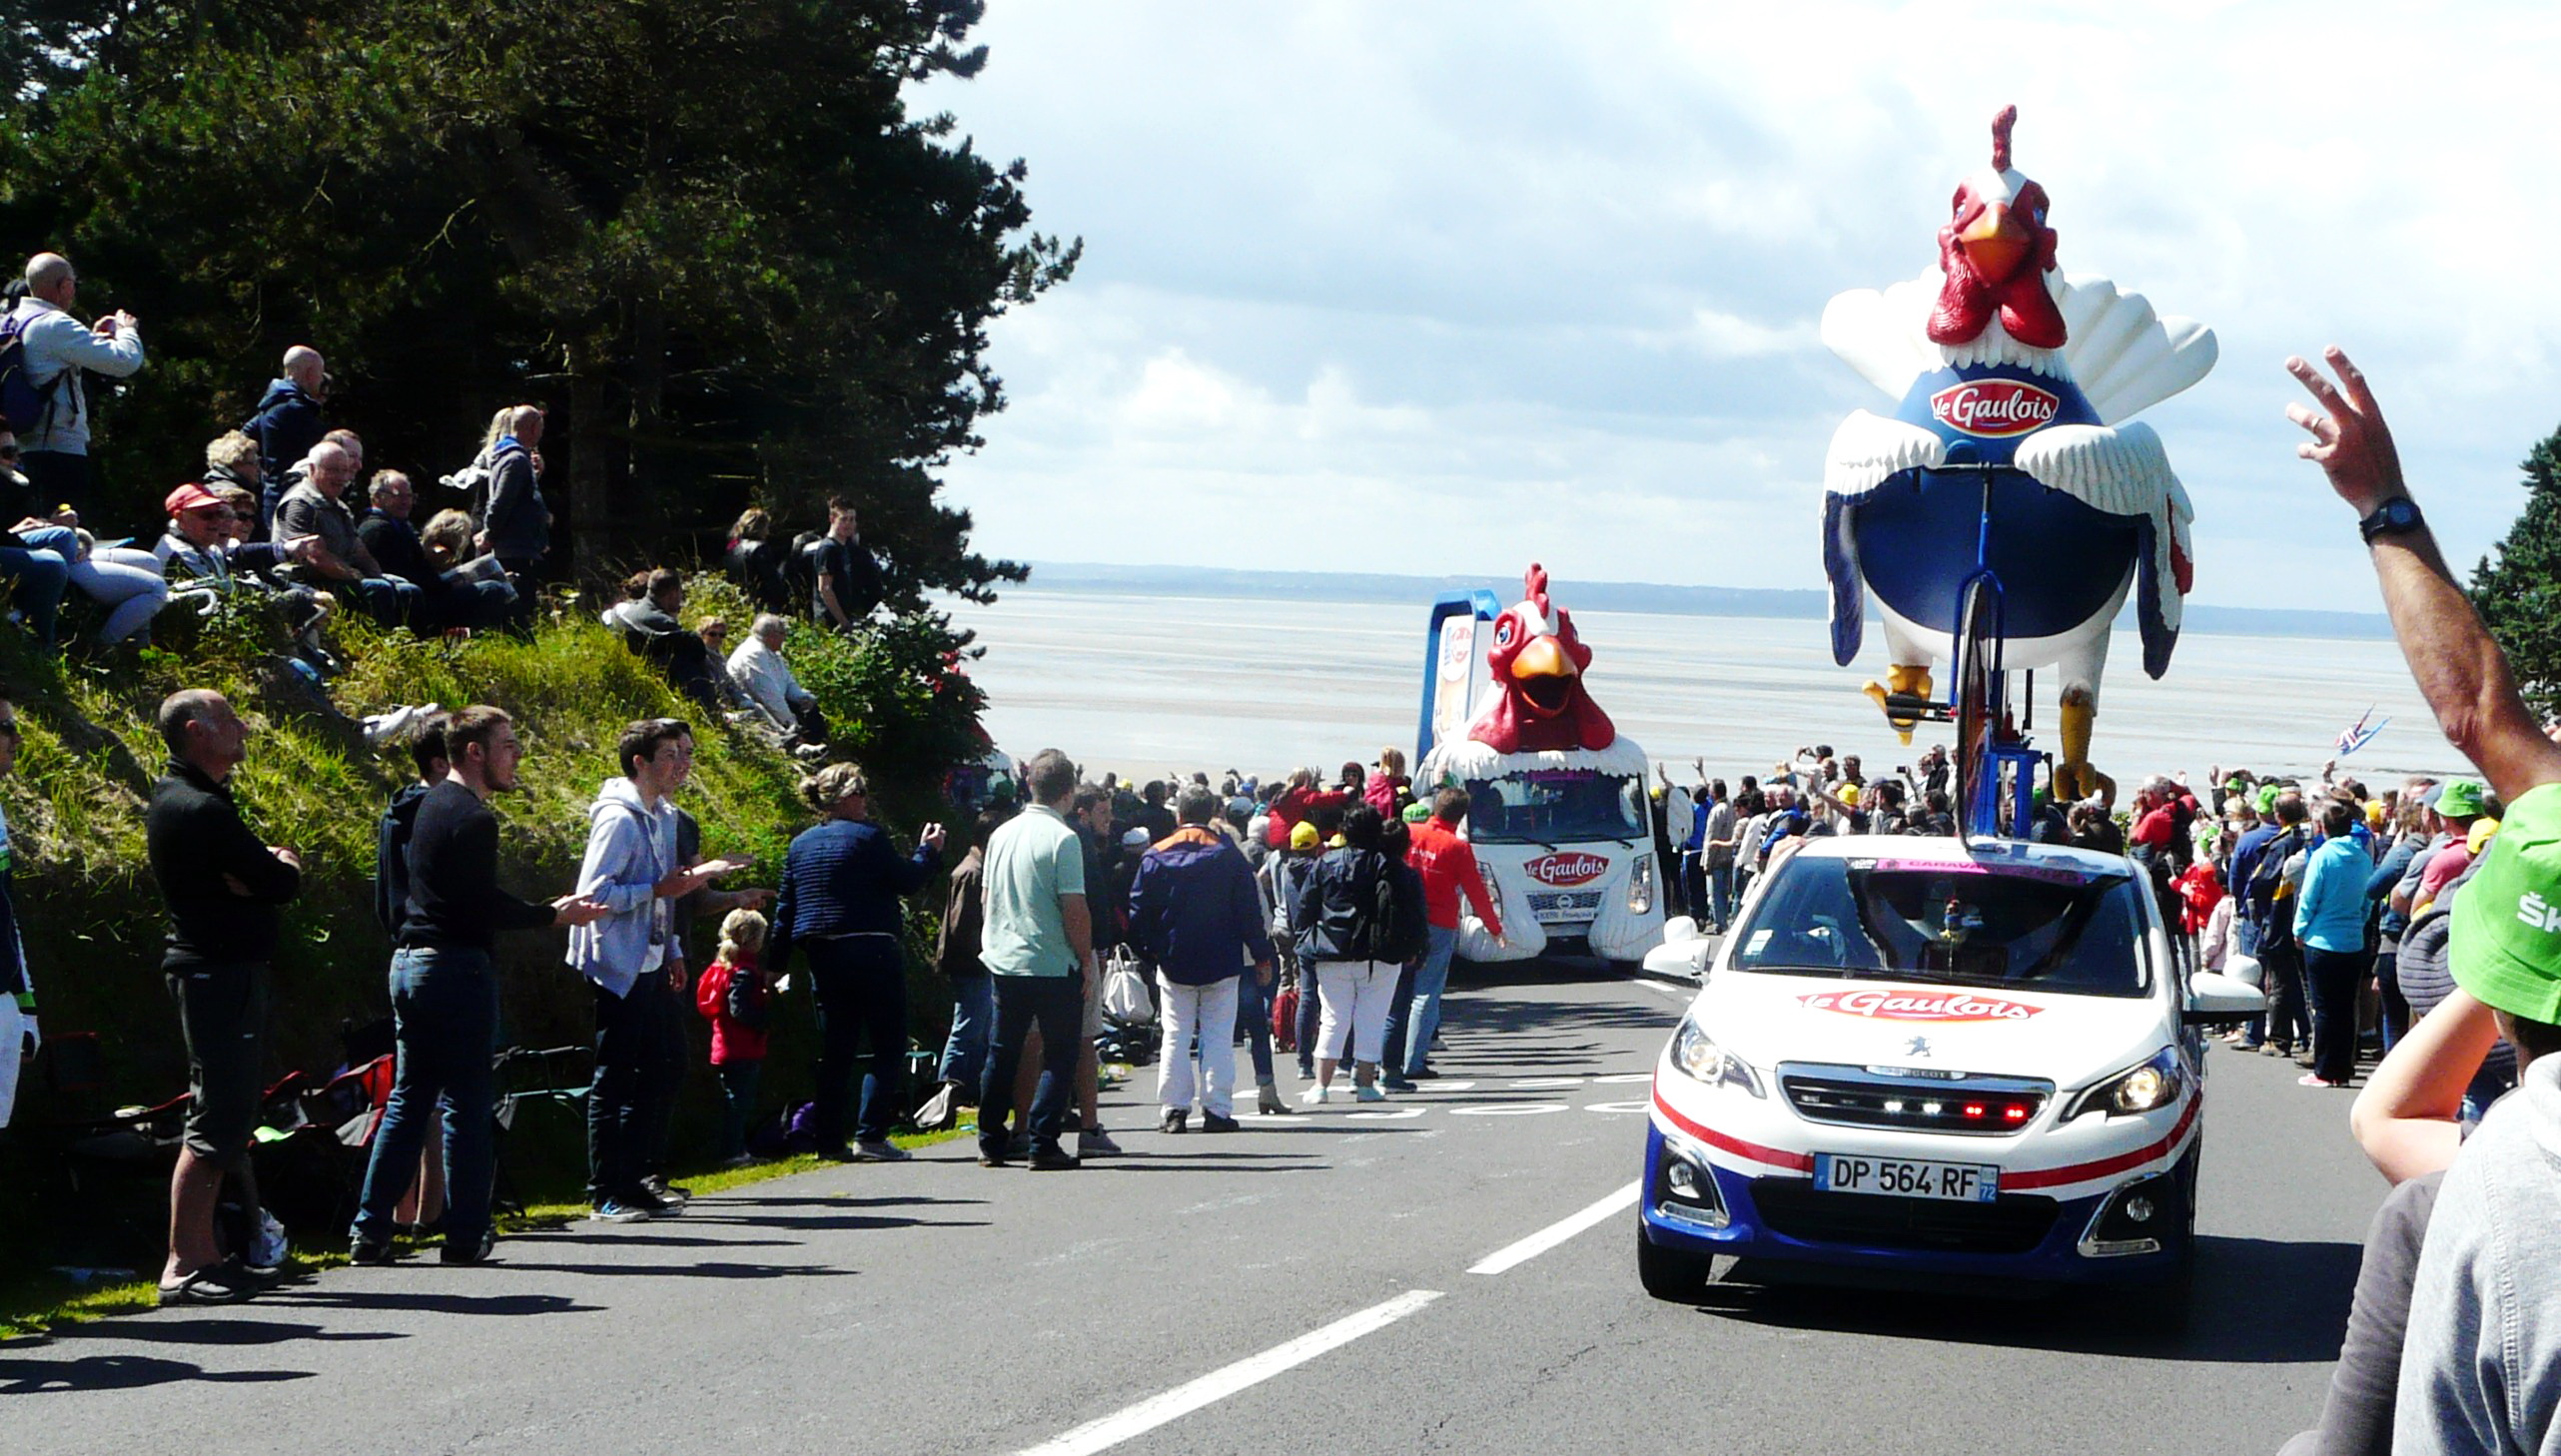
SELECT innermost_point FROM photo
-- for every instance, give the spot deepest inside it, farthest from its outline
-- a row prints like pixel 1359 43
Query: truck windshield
pixel 2028 929
pixel 1553 806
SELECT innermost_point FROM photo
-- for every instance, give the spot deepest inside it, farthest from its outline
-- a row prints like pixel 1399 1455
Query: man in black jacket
pixel 444 994
pixel 222 887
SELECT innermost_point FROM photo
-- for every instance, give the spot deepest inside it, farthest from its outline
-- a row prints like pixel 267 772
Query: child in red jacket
pixel 737 996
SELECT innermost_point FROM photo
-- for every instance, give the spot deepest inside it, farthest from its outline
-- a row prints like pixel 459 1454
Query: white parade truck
pixel 1556 795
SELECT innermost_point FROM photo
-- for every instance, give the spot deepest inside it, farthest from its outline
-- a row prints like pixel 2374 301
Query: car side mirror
pixel 2219 1001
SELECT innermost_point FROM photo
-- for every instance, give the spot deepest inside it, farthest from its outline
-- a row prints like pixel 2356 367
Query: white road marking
pixel 1507 1110
pixel 1527 1083
pixel 1623 1077
pixel 1558 1232
pixel 1616 1107
pixel 1217 1385
pixel 1449 1086
pixel 1399 1114
pixel 1673 992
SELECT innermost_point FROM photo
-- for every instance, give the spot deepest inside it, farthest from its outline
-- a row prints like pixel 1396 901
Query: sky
pixel 1443 288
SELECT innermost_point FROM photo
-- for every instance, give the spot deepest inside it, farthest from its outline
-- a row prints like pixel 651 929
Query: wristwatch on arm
pixel 2401 513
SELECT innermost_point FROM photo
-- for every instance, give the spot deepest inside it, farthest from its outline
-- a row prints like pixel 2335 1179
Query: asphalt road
pixel 1406 1278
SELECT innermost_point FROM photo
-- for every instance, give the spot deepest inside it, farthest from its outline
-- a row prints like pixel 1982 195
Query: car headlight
pixel 1698 1056
pixel 2153 1086
pixel 1640 885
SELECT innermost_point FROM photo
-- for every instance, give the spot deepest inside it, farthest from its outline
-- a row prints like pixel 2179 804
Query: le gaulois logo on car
pixel 1994 408
pixel 1919 1006
pixel 1566 867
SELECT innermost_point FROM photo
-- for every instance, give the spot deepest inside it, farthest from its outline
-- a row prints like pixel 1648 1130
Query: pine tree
pixel 2517 589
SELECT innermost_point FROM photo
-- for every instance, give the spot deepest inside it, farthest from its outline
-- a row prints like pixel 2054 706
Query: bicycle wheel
pixel 1977 667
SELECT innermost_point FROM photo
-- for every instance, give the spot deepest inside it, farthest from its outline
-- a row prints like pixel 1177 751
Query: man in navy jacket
pixel 1194 912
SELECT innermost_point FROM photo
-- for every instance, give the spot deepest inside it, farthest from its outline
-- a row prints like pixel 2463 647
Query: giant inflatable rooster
pixel 2001 360
pixel 1539 704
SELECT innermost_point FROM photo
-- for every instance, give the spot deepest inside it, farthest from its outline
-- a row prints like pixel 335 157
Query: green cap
pixel 2506 925
pixel 1417 812
pixel 2460 798
pixel 2267 799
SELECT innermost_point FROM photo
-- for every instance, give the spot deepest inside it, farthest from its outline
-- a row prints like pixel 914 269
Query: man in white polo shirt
pixel 1038 945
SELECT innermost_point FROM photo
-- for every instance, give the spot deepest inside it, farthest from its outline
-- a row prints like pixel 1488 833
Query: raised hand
pixel 2349 440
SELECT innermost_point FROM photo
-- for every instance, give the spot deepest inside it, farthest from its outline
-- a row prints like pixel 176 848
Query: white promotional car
pixel 1921 1056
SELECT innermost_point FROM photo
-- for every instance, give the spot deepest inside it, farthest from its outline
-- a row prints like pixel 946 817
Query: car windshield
pixel 1553 806
pixel 2022 926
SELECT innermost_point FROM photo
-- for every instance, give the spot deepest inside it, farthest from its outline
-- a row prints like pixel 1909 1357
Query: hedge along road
pixel 1451 1271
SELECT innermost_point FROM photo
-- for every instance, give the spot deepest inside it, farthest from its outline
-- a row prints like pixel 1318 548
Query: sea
pixel 1142 685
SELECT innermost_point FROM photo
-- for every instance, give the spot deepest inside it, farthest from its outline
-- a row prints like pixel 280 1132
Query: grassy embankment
pixel 93 924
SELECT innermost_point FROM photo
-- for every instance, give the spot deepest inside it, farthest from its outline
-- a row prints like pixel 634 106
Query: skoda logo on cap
pixel 2534 910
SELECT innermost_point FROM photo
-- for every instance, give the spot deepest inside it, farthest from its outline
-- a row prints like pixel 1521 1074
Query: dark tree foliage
pixel 706 234
pixel 2518 586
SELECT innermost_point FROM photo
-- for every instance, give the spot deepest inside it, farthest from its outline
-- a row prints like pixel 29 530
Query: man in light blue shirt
pixel 58 346
pixel 2329 924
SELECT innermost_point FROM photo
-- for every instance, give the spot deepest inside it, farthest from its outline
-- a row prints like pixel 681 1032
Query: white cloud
pixel 1439 285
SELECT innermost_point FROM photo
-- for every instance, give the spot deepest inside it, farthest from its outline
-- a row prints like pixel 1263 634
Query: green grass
pixel 38 1301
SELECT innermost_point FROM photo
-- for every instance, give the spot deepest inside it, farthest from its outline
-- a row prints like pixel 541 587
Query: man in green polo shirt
pixel 2481 1366
pixel 1038 945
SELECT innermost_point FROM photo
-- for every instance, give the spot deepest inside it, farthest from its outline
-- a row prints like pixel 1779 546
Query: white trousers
pixel 1353 996
pixel 12 1037
pixel 1208 1012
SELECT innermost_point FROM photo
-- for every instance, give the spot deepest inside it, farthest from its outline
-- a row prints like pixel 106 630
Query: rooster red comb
pixel 1536 579
pixel 2001 125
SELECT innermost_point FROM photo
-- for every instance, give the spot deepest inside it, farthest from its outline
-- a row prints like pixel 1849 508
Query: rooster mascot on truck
pixel 2001 360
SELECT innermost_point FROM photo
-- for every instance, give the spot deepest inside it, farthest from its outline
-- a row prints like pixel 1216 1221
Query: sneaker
pixel 1018 1146
pixel 369 1251
pixel 1054 1159
pixel 1212 1123
pixel 1174 1119
pixel 619 1211
pixel 474 1253
pixel 880 1150
pixel 1367 1093
pixel 1318 1095
pixel 994 1159
pixel 212 1284
pixel 838 1153
pixel 741 1161
pixel 1422 1073
pixel 1095 1144
pixel 1306 1072
pixel 1399 1084
pixel 2314 1080
pixel 1267 1101
pixel 656 1187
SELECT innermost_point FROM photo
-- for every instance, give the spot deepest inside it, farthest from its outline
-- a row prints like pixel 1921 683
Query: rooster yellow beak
pixel 1543 658
pixel 1996 242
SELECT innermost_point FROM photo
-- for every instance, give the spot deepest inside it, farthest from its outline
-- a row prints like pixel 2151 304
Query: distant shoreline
pixel 1621 596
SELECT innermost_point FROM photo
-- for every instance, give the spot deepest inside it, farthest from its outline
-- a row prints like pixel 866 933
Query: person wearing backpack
pixel 1362 918
pixel 43 349
pixel 2267 912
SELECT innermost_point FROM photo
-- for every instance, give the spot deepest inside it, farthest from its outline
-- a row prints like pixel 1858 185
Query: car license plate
pixel 1910 1177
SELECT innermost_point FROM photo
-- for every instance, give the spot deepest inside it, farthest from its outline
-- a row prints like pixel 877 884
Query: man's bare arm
pixel 2460 670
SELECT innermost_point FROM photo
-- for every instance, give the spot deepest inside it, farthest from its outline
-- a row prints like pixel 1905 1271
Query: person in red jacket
pixel 1301 799
pixel 2200 889
pixel 737 996
pixel 1448 870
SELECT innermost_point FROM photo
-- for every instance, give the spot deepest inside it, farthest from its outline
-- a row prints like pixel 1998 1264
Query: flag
pixel 2361 735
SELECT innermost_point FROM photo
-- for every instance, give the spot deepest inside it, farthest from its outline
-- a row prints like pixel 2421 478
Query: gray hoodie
pixel 629 849
pixel 2481 1364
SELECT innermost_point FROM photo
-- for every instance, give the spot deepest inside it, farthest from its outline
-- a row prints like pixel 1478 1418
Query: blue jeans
pixel 392 601
pixel 1392 1042
pixel 38 573
pixel 1057 1005
pixel 1311 1013
pixel 444 1014
pixel 1720 892
pixel 965 1051
pixel 737 1104
pixel 1431 980
pixel 861 987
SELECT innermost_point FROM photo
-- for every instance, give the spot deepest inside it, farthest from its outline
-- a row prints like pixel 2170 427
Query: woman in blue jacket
pixel 841 884
pixel 2329 924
